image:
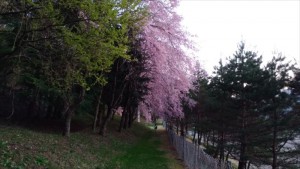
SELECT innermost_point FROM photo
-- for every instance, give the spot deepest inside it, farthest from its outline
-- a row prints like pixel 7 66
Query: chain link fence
pixel 193 156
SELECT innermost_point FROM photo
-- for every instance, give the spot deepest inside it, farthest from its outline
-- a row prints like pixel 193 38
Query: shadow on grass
pixel 51 126
pixel 144 154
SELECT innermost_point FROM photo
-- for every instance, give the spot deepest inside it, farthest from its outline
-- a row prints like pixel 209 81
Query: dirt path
pixel 175 161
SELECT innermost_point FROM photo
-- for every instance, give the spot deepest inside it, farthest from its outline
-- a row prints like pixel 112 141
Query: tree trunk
pixel 102 114
pixel 181 128
pixel 274 153
pixel 131 116
pixel 194 136
pixel 227 156
pixel 222 146
pixel 122 120
pixel 249 164
pixel 185 127
pixel 68 119
pixel 199 137
pixel 138 115
pixel 213 138
pixel 97 111
pixel 242 160
pixel 105 121
pixel 207 138
pixel 126 118
pixel 12 105
pixel 69 111
pixel 217 150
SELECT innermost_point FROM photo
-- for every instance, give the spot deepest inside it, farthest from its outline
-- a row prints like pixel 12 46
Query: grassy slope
pixel 138 148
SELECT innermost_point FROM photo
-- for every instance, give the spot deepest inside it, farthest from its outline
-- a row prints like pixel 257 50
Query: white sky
pixel 265 27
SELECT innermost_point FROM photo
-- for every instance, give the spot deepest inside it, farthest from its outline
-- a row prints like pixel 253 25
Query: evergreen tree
pixel 253 109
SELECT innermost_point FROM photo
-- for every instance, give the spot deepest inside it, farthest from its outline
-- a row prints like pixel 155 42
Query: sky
pixel 266 26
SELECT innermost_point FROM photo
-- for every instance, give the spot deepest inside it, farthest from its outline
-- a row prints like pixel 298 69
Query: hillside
pixel 139 147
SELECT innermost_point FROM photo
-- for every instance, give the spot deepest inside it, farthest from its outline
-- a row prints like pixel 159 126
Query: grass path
pixel 137 148
pixel 152 151
pixel 144 154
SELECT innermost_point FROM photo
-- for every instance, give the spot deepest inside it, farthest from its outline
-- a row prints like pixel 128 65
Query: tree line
pixel 247 111
pixel 97 58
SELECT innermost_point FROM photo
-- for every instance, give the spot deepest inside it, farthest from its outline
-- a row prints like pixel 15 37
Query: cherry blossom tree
pixel 164 42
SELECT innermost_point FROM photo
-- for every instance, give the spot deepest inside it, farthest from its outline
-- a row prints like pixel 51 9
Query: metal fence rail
pixel 193 156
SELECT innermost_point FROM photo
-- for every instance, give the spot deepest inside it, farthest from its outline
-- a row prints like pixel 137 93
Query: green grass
pixel 136 148
pixel 145 154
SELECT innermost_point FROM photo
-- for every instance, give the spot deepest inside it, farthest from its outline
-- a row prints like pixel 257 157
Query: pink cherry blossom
pixel 164 41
